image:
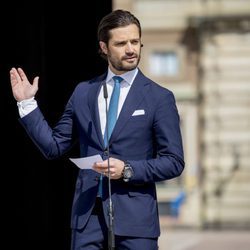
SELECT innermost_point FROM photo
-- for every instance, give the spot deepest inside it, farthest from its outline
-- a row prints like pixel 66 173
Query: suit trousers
pixel 94 236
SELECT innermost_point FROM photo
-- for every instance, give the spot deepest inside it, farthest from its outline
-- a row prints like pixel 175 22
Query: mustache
pixel 129 57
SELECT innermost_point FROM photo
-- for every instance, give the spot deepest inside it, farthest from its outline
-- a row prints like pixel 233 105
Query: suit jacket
pixel 149 139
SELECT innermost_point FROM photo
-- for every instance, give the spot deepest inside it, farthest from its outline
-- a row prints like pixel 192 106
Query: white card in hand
pixel 86 162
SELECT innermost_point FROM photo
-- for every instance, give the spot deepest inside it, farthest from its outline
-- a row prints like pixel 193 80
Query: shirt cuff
pixel 26 106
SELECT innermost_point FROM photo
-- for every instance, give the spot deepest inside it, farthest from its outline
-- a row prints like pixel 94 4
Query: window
pixel 164 63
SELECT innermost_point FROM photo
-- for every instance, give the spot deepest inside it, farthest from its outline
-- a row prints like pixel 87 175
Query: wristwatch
pixel 127 172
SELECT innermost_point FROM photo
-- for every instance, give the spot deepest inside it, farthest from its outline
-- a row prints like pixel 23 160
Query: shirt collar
pixel 128 76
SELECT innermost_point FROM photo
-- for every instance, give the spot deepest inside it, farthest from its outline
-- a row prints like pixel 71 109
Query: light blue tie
pixel 112 117
pixel 113 109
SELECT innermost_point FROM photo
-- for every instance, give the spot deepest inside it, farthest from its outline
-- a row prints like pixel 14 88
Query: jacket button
pixel 96 178
pixel 105 153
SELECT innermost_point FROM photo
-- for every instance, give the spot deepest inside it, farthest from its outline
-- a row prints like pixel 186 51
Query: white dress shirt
pixel 128 79
pixel 28 105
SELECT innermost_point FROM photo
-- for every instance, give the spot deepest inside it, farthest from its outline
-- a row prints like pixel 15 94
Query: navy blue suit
pixel 151 142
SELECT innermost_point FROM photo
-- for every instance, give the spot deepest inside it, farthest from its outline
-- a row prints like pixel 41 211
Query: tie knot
pixel 117 79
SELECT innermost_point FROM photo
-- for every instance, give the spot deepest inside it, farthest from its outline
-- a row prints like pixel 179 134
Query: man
pixel 145 144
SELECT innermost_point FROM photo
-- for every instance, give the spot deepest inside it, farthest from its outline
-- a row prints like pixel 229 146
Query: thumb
pixel 35 83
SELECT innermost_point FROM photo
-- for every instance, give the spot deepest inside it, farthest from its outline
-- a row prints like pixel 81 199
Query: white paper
pixel 86 162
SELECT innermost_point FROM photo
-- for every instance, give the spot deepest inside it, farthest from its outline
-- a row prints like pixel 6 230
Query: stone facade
pixel 225 119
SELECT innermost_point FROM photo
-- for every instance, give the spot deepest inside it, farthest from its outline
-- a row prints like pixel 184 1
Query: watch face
pixel 128 172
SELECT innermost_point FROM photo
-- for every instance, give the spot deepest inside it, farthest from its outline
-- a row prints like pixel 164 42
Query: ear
pixel 103 47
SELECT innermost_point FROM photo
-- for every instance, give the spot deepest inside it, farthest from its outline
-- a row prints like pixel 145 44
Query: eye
pixel 120 44
pixel 135 42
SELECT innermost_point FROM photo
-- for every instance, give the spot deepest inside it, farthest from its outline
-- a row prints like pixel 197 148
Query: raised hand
pixel 21 87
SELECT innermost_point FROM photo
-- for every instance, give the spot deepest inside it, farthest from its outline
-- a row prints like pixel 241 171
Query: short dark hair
pixel 115 19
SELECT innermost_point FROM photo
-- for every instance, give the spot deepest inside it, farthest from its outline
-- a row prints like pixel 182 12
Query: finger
pixel 22 74
pixel 96 166
pixel 101 164
pixel 14 76
pixel 99 169
pixel 13 79
pixel 35 83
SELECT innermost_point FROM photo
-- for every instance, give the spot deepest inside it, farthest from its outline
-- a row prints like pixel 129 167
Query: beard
pixel 122 64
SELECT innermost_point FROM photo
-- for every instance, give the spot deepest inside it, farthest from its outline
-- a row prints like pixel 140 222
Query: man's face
pixel 123 49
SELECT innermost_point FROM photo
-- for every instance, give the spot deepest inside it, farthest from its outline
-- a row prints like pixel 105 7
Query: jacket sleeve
pixel 51 142
pixel 169 162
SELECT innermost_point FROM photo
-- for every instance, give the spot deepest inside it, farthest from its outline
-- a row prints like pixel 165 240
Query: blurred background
pixel 199 49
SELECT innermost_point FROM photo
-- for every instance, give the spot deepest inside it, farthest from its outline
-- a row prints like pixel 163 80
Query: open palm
pixel 21 87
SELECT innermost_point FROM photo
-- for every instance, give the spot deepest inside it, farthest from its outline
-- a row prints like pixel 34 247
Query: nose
pixel 129 48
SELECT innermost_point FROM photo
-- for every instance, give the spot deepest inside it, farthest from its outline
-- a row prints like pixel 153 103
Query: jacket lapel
pixel 93 106
pixel 134 98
